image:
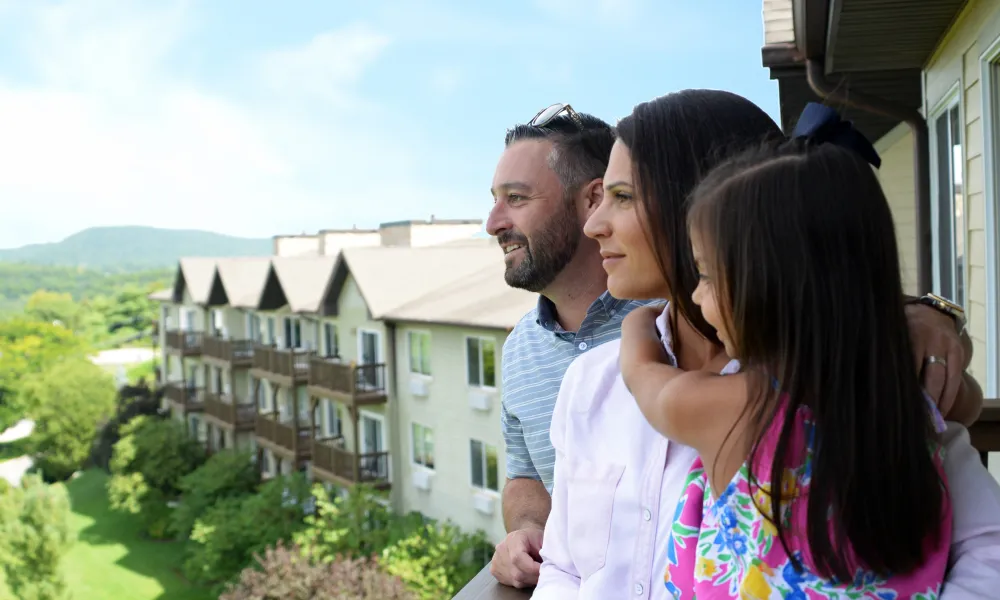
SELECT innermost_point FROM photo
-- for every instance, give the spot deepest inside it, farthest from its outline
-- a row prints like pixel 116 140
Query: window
pixel 480 357
pixel 333 422
pixel 949 209
pixel 420 352
pixel 331 345
pixel 484 466
pixel 218 323
pixel 423 446
pixel 293 333
pixel 253 327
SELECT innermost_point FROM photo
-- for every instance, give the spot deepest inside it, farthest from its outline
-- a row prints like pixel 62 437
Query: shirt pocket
pixel 590 491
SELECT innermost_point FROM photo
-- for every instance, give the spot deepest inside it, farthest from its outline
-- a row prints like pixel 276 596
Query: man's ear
pixel 592 195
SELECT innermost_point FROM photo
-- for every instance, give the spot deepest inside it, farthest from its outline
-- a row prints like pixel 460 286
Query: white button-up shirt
pixel 617 483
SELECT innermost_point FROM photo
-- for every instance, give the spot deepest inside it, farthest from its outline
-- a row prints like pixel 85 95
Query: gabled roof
pixel 164 295
pixel 304 281
pixel 481 299
pixel 198 277
pixel 391 277
pixel 243 280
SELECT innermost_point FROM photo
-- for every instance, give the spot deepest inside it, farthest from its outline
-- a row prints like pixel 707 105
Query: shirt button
pixel 646 515
pixel 582 346
pixel 638 589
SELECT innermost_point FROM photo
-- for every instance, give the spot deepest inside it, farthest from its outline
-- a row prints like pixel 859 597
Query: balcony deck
pixel 184 343
pixel 228 412
pixel 985 435
pixel 282 437
pixel 228 353
pixel 188 399
pixel 356 385
pixel 285 367
pixel 331 462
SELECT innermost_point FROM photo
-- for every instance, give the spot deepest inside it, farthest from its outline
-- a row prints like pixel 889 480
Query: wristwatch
pixel 946 306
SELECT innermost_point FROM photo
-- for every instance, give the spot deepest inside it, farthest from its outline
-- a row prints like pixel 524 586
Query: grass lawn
pixel 111 559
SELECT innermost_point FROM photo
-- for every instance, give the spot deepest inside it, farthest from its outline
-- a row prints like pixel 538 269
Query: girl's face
pixel 633 272
pixel 706 295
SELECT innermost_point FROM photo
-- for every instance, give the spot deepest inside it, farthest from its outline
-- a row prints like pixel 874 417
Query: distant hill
pixel 135 248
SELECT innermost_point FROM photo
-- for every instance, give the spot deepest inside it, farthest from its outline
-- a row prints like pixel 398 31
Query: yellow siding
pixel 896 175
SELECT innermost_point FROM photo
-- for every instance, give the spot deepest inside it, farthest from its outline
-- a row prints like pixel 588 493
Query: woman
pixel 617 481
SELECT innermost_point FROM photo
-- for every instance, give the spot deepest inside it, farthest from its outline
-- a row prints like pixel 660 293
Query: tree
pixel 285 573
pixel 227 474
pixel 435 561
pixel 34 536
pixel 55 308
pixel 71 400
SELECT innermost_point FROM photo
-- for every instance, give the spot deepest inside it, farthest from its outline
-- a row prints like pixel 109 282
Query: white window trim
pixel 484 489
pixel 325 338
pixel 379 355
pixel 989 63
pixel 496 371
pixel 413 457
pixel 409 355
pixel 327 425
pixel 949 100
pixel 386 442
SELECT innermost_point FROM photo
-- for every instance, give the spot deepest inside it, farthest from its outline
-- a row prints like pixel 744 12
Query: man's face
pixel 534 222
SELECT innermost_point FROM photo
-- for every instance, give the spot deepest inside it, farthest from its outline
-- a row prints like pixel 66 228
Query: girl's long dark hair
pixel 674 141
pixel 802 249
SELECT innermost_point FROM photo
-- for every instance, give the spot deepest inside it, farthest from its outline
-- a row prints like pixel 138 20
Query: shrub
pixel 70 400
pixel 34 536
pixel 228 474
pixel 224 541
pixel 285 573
pixel 435 561
pixel 132 402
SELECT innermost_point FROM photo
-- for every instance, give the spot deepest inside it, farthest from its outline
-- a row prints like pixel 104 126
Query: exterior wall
pixel 778 22
pixel 446 410
pixel 426 233
pixel 956 63
pixel 896 175
pixel 332 242
pixel 297 245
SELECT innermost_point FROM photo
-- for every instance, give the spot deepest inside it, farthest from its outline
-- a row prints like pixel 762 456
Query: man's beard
pixel 545 257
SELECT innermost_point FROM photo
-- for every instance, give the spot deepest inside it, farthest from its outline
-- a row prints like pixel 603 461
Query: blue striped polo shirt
pixel 535 357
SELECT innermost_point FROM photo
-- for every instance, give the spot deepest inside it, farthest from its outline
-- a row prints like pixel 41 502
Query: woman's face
pixel 633 272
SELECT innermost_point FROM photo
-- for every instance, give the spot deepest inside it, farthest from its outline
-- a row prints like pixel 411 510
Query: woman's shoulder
pixel 591 376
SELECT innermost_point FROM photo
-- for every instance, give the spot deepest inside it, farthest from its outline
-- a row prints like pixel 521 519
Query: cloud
pixel 103 130
pixel 444 81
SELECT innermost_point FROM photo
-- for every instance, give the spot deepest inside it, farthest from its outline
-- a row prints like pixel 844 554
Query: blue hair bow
pixel 823 124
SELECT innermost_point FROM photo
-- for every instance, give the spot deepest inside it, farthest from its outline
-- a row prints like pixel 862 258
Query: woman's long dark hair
pixel 801 248
pixel 674 141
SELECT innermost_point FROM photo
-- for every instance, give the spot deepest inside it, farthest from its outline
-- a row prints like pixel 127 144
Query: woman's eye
pixel 622 196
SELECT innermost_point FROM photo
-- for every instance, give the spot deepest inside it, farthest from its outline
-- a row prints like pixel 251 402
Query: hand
pixel 933 334
pixel 517 561
pixel 640 340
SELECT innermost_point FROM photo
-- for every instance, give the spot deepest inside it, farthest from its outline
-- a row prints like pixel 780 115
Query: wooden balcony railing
pixel 358 383
pixel 186 343
pixel 229 410
pixel 284 435
pixel 332 459
pixel 985 435
pixel 187 397
pixel 289 364
pixel 237 353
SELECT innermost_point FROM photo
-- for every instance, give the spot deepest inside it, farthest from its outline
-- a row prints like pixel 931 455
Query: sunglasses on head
pixel 547 115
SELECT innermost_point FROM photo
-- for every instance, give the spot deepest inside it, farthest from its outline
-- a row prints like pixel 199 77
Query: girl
pixel 819 473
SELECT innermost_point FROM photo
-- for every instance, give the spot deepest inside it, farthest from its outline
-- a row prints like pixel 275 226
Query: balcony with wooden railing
pixel 227 411
pixel 283 436
pixel 185 343
pixel 332 462
pixel 985 436
pixel 188 397
pixel 233 353
pixel 352 384
pixel 285 367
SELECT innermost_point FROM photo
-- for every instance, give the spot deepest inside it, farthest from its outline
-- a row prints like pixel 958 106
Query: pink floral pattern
pixel 726 548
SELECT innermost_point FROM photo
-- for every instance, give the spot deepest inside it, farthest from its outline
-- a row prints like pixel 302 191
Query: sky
pixel 256 117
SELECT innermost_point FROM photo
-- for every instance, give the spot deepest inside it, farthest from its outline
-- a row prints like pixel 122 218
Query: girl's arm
pixel 696 408
pixel 968 403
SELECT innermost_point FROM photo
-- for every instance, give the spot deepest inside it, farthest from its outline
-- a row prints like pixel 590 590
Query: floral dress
pixel 725 548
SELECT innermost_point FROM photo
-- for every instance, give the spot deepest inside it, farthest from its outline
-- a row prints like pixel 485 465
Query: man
pixel 546 184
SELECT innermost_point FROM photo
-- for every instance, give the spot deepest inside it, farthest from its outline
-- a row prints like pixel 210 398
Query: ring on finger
pixel 932 360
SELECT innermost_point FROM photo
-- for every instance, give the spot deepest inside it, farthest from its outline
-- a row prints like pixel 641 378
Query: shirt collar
pixel 605 306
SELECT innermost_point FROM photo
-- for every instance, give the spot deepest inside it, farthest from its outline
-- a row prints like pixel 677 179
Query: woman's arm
pixel 969 403
pixel 974 561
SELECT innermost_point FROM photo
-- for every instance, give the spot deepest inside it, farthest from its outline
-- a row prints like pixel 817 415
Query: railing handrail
pixel 485 587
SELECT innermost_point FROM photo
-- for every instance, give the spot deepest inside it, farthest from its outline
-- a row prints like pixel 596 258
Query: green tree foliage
pixel 70 401
pixel 19 281
pixel 54 307
pixel 34 536
pixel 434 561
pixel 227 474
pixel 234 530
pixel 147 464
pixel 284 572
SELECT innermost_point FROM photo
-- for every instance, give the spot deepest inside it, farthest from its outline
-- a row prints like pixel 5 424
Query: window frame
pixel 989 63
pixel 485 466
pixel 950 101
pixel 410 335
pixel 414 425
pixel 480 339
